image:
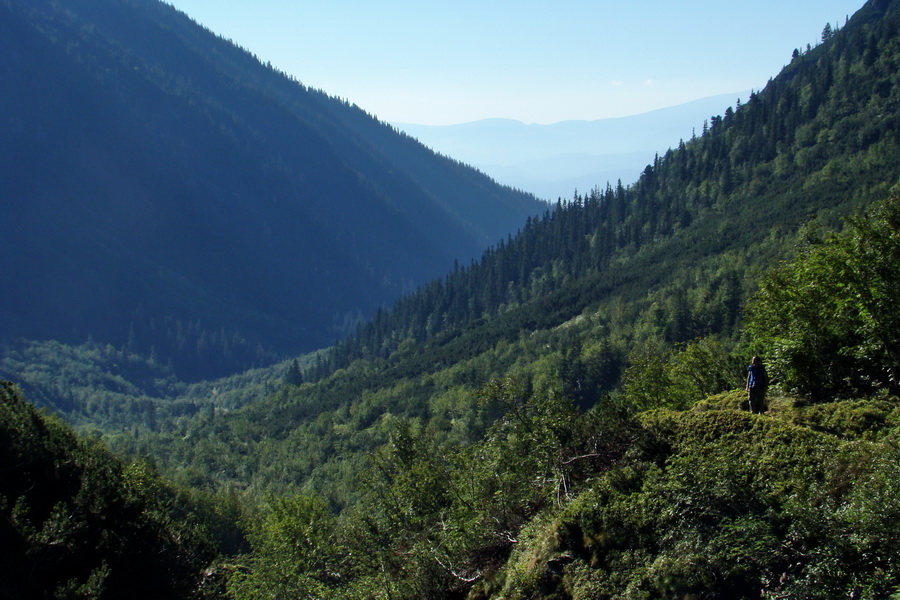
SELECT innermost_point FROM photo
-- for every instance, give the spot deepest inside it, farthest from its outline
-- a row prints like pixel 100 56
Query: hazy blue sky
pixel 538 62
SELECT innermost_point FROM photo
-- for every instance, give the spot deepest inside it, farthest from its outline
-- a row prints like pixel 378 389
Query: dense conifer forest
pixel 176 198
pixel 566 417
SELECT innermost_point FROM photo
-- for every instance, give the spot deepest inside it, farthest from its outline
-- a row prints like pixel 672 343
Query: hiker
pixel 757 380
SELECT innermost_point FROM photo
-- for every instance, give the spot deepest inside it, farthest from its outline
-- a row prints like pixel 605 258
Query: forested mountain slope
pixel 563 418
pixel 166 192
pixel 819 141
pixel 78 523
pixel 614 279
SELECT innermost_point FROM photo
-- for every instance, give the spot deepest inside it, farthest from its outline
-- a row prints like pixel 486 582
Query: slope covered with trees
pixel 172 195
pixel 613 279
pixel 819 140
pixel 563 418
pixel 77 523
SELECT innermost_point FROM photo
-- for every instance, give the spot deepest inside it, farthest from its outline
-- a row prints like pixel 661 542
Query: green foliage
pixel 295 553
pixel 722 504
pixel 522 459
pixel 76 523
pixel 850 419
pixel 434 519
pixel 100 387
pixel 658 378
pixel 831 318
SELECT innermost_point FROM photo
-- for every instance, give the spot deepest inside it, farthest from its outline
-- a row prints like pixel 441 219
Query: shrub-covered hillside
pixel 77 523
pixel 620 278
pixel 716 503
pixel 668 488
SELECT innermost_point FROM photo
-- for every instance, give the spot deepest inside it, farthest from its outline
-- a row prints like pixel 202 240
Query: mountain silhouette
pixel 164 189
pixel 552 161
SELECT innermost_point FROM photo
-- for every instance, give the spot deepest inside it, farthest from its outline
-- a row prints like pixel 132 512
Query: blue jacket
pixel 757 376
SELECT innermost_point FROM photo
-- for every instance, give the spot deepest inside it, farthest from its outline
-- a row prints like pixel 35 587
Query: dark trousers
pixel 757 400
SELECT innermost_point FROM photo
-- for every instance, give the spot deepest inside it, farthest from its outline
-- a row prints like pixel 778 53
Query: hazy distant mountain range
pixel 163 189
pixel 552 161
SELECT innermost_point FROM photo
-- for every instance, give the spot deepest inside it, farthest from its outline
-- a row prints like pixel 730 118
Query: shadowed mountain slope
pixel 163 189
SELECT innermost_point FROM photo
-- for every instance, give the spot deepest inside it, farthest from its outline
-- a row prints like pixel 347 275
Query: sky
pixel 440 63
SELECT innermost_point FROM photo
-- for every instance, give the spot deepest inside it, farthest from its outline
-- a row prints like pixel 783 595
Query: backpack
pixel 758 376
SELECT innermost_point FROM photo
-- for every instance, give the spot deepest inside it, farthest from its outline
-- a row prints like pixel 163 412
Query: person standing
pixel 757 381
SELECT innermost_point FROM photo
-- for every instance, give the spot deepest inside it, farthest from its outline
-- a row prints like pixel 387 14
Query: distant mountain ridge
pixel 166 191
pixel 554 160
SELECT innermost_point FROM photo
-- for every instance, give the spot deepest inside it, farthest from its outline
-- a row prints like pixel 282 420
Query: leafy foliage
pixel 832 316
pixel 722 504
pixel 295 555
pixel 432 519
pixel 679 379
pixel 76 523
pixel 100 387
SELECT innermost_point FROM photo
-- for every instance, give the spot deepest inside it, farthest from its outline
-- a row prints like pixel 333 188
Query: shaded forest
pixel 79 523
pixel 173 196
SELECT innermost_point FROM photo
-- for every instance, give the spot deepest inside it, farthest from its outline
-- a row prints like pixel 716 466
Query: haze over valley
pixel 553 161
